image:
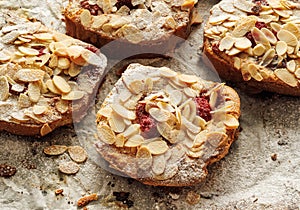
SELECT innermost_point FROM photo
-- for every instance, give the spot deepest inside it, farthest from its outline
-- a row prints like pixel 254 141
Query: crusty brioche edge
pixel 223 64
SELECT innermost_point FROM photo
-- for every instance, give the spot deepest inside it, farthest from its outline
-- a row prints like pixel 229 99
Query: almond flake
pixel 55 149
pixel 105 111
pixel 259 50
pixel 282 13
pixel 244 26
pixel 243 5
pixel 132 33
pixel 254 72
pixel 99 21
pixel 23 101
pixel 188 78
pixel 233 51
pixel 259 37
pixel 37 110
pixel 159 164
pixel 297 73
pixel 287 77
pixel 159 114
pixel 61 84
pixel 190 126
pixel 62 106
pixel 106 134
pixel 242 43
pixel 50 85
pixel 28 50
pixel 231 122
pixel 123 112
pixel 132 130
pixel 175 97
pixel 134 141
pixel 34 92
pixel 287 37
pixel 30 75
pixel 45 129
pixel 270 35
pixel 136 86
pixel 216 20
pixel 91 58
pixel 164 130
pixel 291 65
pixel 74 69
pixel 120 140
pixel 77 154
pixel 157 147
pixel 226 43
pixel 10 37
pixel 4 90
pixel 268 57
pixel 63 63
pixel 226 7
pixel 17 87
pixel 73 95
pixel 85 18
pixel 143 152
pixel 4 56
pixel 68 167
pixel 293 28
pixel 197 154
pixel 166 72
pixel 116 123
pixel 44 36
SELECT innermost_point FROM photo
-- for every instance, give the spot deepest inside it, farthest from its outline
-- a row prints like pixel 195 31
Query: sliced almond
pixel 17 87
pixel 120 140
pixel 55 149
pixel 85 18
pixel 190 126
pixel 259 37
pixel 242 43
pixel 132 33
pixel 30 75
pixel 37 110
pixel 196 154
pixel 73 95
pixel 282 13
pixel 259 50
pixel 226 43
pixel 4 90
pixel 28 50
pixel 123 112
pixel 189 79
pixel 270 35
pixel 215 138
pixel 62 106
pixel 157 147
pixel 61 84
pixel 159 114
pixel 45 129
pixel 233 51
pixel 77 154
pixel 268 57
pixel 293 28
pixel 231 121
pixel 44 36
pixel 170 171
pixel 91 58
pixel 74 69
pixel 287 77
pixel 98 21
pixel 158 164
pixel 281 47
pixel 50 85
pixel 166 72
pixel 291 65
pixel 134 141
pixel 216 20
pixel 4 56
pixel 34 92
pixel 106 134
pixel 23 101
pixel 132 130
pixel 136 86
pixel 244 26
pixel 63 63
pixel 164 130
pixel 244 5
pixel 143 152
pixel 287 37
pixel 144 158
pixel 116 123
pixel 175 97
pixel 68 167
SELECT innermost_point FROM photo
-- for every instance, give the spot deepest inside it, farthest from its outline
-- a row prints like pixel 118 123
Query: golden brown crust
pixel 185 166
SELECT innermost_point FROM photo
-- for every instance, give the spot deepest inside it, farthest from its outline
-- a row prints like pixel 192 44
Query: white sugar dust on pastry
pixel 168 128
pixel 47 79
pixel 257 43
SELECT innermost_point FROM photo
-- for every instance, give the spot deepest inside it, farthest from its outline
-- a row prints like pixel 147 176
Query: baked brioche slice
pixel 256 43
pixel 47 79
pixel 136 26
pixel 164 128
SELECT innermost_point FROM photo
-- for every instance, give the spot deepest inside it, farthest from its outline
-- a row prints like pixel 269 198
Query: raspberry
pixel 203 108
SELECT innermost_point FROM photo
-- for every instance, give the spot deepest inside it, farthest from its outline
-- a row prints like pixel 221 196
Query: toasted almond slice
pixel 143 152
pixel 270 35
pixel 77 154
pixel 226 43
pixel 45 129
pixel 74 69
pixel 68 167
pixel 293 28
pixel 244 5
pixel 281 47
pixel 259 50
pixel 268 57
pixel 91 58
pixel 231 122
pixel 23 101
pixel 34 91
pixel 233 51
pixel 73 95
pixel 50 85
pixel 159 164
pixel 216 20
pixel 62 106
pixel 287 77
pixel 244 26
pixel 37 110
pixel 226 7
pixel 199 121
pixel 44 36
pixel 259 37
pixel 132 130
pixel 287 37
pixel 85 18
pixel 105 111
pixel 116 123
pixel 74 51
pixel 186 111
pixel 4 90
pixel 98 21
pixel 164 130
pixel 170 171
pixel 4 56
pixel 63 63
pixel 28 50
pixel 10 37
pixel 200 138
pixel 291 65
pixel 120 140
pixel 17 87
pixel 136 86
pixel 159 114
pixel 123 112
pixel 282 13
pixel 30 75
pixel 61 84
pixel 175 97
pixel 134 141
pixel 157 147
pixel 166 72
pixel 297 73
pixel 242 43
pixel 106 134
pixel 188 78
pixel 55 149
pixel 190 126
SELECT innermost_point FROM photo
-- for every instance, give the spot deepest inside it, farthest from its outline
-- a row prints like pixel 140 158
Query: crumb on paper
pixel 87 199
